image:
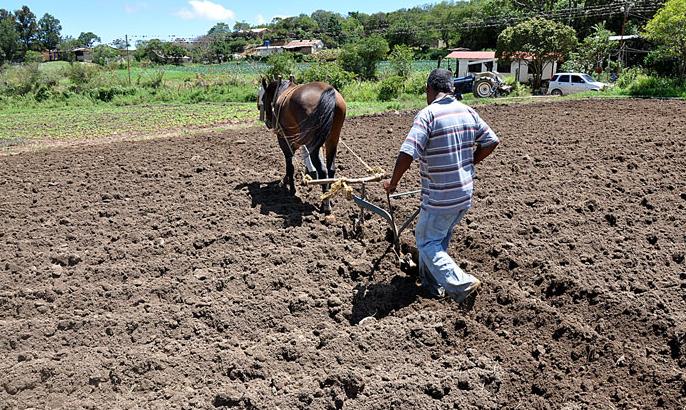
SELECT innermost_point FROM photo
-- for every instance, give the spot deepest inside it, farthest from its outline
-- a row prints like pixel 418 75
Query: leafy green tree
pixel 280 65
pixel 219 28
pixel 401 60
pixel 104 54
pixel 9 38
pixel 27 27
pixel 668 30
pixel 593 53
pixel 331 73
pixel 363 56
pixel 538 40
pixel 49 29
pixel 241 26
pixel 88 39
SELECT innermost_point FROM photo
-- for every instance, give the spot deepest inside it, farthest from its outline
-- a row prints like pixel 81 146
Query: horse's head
pixel 266 99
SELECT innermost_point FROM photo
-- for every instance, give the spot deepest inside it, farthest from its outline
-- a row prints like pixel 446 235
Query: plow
pixel 360 198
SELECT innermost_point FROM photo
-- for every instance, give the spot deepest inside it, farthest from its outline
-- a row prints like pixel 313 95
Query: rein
pixel 277 106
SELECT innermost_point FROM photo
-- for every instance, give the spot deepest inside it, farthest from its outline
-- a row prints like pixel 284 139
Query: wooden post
pixel 128 57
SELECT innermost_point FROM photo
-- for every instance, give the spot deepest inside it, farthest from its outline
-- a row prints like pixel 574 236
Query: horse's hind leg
pixel 321 174
pixel 289 179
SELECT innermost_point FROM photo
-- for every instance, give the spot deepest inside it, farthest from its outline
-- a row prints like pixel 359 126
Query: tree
pixel 9 38
pixel 119 43
pixel 362 57
pixel 668 30
pixel 241 26
pixel 27 28
pixel 49 29
pixel 538 40
pixel 104 54
pixel 594 51
pixel 219 28
pixel 401 60
pixel 280 65
pixel 88 39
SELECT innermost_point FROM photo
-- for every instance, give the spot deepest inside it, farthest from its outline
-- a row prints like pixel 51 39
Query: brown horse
pixel 309 114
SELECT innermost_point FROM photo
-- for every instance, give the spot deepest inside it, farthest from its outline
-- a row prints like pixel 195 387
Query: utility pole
pixel 624 9
pixel 128 57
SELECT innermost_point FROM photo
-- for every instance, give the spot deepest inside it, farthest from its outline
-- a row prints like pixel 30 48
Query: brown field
pixel 174 273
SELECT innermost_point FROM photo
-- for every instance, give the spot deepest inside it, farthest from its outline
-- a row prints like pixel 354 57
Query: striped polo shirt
pixel 443 138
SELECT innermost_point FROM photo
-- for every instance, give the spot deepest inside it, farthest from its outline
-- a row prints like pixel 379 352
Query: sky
pixel 112 19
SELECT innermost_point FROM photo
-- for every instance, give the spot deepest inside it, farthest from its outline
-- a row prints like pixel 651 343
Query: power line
pixel 564 14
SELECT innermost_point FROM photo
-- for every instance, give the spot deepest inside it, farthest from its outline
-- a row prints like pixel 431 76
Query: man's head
pixel 440 81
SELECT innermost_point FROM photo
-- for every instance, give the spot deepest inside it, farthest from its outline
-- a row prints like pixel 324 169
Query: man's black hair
pixel 441 81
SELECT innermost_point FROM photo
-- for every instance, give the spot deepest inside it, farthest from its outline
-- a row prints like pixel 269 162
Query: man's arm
pixel 402 164
pixel 482 152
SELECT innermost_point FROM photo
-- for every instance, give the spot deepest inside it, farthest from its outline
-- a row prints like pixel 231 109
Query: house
pixel 83 54
pixel 266 50
pixel 479 61
pixel 304 46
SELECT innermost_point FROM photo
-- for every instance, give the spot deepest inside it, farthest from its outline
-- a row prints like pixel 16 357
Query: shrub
pixel 20 80
pixel 280 65
pixel 416 84
pixel 390 88
pixel 361 91
pixel 107 94
pixel 82 73
pixel 33 57
pixel 651 86
pixel 362 57
pixel 628 76
pixel 331 73
pixel 401 60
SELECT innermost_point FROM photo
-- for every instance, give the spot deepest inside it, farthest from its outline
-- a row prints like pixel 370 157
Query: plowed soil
pixel 176 273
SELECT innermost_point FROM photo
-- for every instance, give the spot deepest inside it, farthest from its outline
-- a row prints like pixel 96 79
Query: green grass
pixel 107 120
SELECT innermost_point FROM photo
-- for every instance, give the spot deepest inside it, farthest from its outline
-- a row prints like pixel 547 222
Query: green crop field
pixel 107 120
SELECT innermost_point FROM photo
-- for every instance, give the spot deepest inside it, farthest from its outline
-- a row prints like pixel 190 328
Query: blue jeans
pixel 439 273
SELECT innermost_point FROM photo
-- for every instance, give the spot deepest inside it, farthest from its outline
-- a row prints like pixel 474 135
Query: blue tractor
pixel 482 85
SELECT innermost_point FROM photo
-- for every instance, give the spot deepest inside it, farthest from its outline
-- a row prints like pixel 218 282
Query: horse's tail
pixel 315 129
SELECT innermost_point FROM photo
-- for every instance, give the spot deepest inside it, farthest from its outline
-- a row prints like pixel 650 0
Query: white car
pixel 571 83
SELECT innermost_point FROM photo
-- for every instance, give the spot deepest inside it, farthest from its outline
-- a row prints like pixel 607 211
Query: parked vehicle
pixel 571 83
pixel 483 85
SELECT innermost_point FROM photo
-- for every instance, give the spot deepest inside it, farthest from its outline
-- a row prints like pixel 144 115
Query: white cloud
pixel 206 10
pixel 260 19
pixel 135 7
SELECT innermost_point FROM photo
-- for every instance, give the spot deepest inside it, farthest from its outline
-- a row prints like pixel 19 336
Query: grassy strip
pixel 107 120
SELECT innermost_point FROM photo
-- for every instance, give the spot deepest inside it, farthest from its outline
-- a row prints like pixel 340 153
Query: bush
pixel 416 84
pixel 280 65
pixel 651 86
pixel 107 94
pixel 330 73
pixel 20 80
pixel 390 88
pixel 362 57
pixel 33 57
pixel 401 60
pixel 628 76
pixel 82 73
pixel 362 91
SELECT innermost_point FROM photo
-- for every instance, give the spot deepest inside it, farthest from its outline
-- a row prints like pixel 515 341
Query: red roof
pixel 472 55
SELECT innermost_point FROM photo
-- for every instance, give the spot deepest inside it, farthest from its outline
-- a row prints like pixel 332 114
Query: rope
pixel 341 186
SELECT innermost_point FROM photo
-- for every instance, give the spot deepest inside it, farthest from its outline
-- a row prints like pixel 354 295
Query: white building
pixel 480 61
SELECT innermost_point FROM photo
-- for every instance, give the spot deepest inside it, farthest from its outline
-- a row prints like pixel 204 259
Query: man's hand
pixel 389 186
pixel 401 166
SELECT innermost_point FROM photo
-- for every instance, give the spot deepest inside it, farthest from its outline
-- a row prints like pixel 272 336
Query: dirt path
pixel 173 273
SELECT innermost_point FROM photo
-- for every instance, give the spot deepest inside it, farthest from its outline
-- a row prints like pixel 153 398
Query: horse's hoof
pixel 326 207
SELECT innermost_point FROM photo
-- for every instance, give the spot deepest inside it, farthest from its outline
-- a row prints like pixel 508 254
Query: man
pixel 449 139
